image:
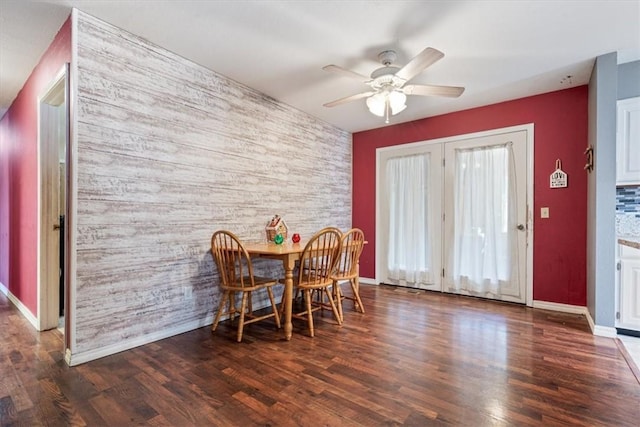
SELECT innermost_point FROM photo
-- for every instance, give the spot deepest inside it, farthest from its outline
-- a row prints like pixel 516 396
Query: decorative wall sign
pixel 558 178
pixel 589 153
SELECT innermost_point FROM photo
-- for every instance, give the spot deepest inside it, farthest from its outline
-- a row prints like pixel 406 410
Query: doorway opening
pixel 53 142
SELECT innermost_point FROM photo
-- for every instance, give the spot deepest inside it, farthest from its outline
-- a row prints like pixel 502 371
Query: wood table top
pixel 270 248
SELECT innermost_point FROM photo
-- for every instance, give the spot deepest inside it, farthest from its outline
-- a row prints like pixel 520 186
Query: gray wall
pixel 629 80
pixel 168 152
pixel 601 198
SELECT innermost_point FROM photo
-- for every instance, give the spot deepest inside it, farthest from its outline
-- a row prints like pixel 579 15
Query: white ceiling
pixel 498 50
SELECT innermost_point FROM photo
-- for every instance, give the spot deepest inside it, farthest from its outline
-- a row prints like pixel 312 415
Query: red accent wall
pixel 19 174
pixel 560 131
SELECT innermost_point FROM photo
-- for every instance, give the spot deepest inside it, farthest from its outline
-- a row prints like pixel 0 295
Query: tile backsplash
pixel 628 200
pixel 628 210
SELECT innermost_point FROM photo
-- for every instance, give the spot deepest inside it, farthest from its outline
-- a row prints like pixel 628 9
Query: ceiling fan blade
pixel 347 73
pixel 348 99
pixel 419 63
pixel 431 90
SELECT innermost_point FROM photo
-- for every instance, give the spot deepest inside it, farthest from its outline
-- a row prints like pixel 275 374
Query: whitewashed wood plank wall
pixel 167 152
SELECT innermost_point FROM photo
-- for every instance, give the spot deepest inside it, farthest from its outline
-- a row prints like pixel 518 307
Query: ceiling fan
pixel 389 88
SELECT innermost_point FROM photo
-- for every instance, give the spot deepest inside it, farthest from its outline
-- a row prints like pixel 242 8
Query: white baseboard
pixel 74 359
pixel 368 281
pixel 601 331
pixel 605 331
pixel 564 308
pixel 21 307
pixel 592 324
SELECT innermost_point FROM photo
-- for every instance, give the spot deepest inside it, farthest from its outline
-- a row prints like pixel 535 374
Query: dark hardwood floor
pixel 414 358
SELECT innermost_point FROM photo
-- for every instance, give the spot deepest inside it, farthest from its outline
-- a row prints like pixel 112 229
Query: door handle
pixel 520 227
pixel 56 226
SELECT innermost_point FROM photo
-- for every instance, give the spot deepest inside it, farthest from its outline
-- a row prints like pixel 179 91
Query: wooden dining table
pixel 288 253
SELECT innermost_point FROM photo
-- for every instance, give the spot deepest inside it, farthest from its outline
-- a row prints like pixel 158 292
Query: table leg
pixel 289 264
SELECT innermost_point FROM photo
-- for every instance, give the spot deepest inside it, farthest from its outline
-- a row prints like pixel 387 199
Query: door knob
pixel 56 226
pixel 520 227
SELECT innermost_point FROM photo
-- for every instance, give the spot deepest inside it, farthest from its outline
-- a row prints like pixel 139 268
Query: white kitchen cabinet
pixel 629 303
pixel 628 142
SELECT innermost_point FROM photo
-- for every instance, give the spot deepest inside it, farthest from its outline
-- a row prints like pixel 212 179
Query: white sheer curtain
pixel 409 252
pixel 484 251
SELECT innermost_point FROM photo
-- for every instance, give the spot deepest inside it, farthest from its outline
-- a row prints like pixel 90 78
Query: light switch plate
pixel 544 212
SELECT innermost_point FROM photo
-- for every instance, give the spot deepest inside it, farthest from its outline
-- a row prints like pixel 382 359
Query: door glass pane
pixel 408 250
pixel 484 248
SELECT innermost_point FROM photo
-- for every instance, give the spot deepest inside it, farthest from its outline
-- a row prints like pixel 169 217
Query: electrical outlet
pixel 187 292
pixel 544 212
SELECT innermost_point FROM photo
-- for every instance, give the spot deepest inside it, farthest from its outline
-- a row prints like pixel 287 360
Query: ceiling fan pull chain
pixel 386 109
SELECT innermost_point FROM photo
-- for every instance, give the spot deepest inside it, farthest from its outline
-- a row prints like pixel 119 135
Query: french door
pixel 452 214
pixel 411 215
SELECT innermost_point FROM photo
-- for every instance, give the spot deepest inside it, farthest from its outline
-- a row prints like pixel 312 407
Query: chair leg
pixel 224 299
pixel 356 295
pixel 337 292
pixel 232 306
pixel 274 307
pixel 307 300
pixel 333 306
pixel 243 309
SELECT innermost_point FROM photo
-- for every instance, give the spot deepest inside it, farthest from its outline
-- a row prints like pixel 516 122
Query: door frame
pixel 529 129
pixel 48 291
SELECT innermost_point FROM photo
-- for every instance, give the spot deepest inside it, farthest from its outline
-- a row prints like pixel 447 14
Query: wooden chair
pixel 317 261
pixel 236 276
pixel 346 270
pixel 297 291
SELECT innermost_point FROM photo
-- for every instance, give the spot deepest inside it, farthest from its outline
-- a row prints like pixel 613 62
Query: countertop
pixel 631 241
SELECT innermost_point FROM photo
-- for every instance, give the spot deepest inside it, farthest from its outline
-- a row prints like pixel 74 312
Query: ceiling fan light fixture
pixel 383 103
pixel 376 104
pixel 397 102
